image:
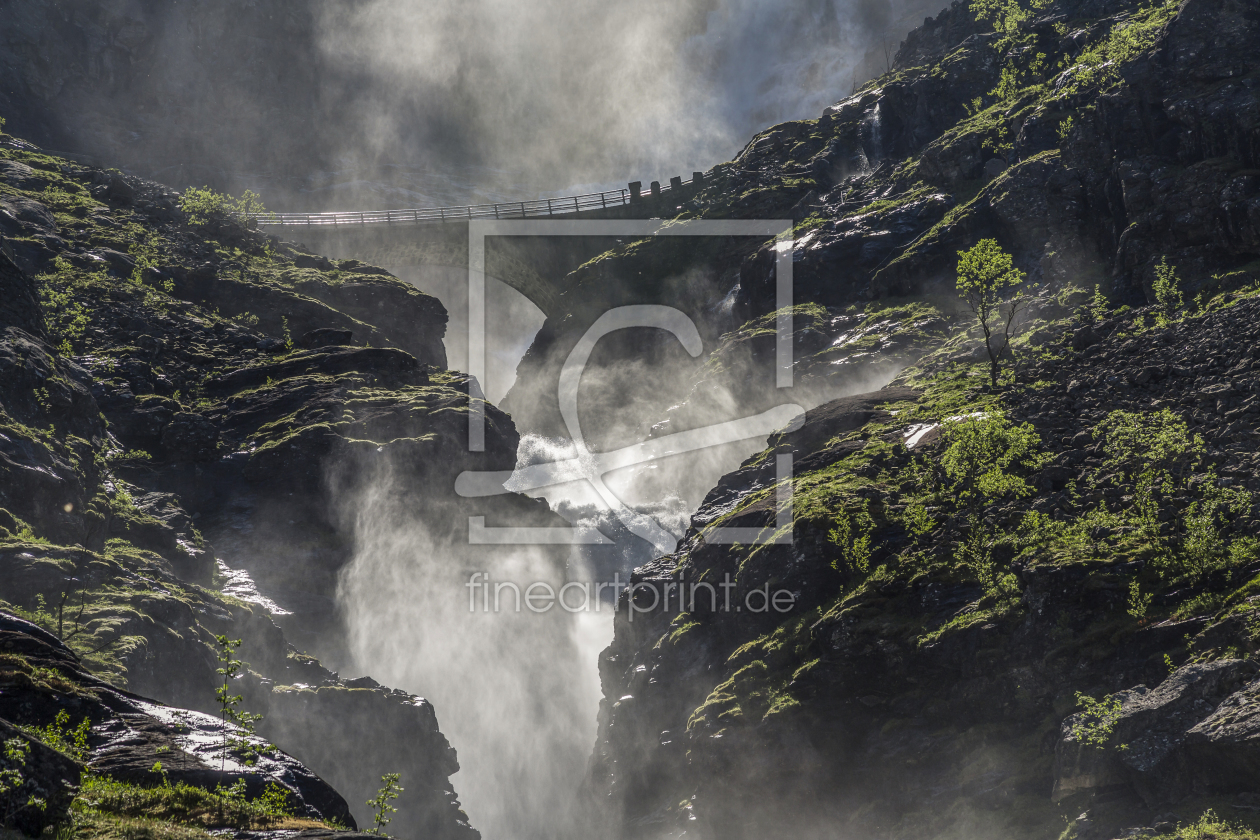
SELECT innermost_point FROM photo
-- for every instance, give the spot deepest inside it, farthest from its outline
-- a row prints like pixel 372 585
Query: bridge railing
pixel 500 210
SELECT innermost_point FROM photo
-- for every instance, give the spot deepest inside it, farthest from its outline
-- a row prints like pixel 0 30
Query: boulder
pixel 1197 732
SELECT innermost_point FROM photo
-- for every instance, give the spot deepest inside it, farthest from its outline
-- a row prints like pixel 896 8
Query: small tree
pixel 380 804
pixel 984 272
pixel 1167 288
pixel 229 713
pixel 209 209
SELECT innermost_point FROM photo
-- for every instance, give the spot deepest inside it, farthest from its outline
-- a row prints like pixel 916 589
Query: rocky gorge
pixel 1015 607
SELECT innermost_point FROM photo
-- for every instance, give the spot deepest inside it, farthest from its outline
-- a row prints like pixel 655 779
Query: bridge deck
pixel 504 210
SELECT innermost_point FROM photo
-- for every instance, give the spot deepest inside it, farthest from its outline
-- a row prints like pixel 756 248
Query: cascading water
pixel 517 692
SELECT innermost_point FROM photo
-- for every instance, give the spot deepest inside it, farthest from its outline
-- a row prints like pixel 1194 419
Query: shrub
pixel 206 208
pixel 852 535
pixel 1167 289
pixel 1097 723
pixel 70 742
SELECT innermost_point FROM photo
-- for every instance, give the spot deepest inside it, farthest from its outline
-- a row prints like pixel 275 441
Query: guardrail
pixel 632 194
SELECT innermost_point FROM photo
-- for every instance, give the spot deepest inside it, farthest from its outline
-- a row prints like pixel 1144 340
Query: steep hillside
pixel 1020 609
pixel 184 404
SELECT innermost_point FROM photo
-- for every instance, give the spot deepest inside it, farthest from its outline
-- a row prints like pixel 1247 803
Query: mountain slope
pixel 1065 642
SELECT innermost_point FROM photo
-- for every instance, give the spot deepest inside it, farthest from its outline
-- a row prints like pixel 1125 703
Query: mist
pixel 578 94
pixel 515 691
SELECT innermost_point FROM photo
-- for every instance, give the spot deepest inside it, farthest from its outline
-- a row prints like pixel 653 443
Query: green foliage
pixel 205 208
pixel 1211 827
pixel 1204 546
pixel 229 712
pixel 917 520
pixel 1001 143
pixel 1098 306
pixel 1098 720
pixel 182 803
pixel 146 249
pixel 1150 454
pixel 983 458
pixel 117 455
pixel 1065 130
pixel 852 535
pixel 1100 64
pixel 89 635
pixel 380 803
pixel 1167 289
pixel 277 801
pixel 1139 602
pixel 1153 458
pixel 1008 18
pixel 1136 443
pixel 985 271
pixel 15 753
pixel 58 735
pixel 982 464
pixel 65 315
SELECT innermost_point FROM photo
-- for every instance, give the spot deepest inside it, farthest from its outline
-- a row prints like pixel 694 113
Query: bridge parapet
pixel 599 203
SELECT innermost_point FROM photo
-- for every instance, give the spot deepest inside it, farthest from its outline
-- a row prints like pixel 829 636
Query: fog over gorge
pixel 378 103
pixel 577 93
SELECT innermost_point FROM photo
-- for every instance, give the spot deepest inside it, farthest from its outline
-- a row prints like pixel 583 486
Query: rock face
pixel 156 415
pixel 1194 732
pixel 1086 179
pixel 130 734
pixel 905 691
pixel 20 308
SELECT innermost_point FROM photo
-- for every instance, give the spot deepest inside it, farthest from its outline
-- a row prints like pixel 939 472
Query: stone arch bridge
pixel 534 266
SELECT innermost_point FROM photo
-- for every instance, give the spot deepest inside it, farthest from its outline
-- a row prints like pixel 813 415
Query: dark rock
pixel 325 338
pixel 130 734
pixel 313 261
pixel 1177 738
pixel 1084 338
pixel 19 305
pixel 381 361
pixel 190 437
pixel 993 168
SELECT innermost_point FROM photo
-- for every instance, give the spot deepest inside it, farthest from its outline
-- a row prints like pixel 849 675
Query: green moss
pixel 887 205
pixel 105 807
